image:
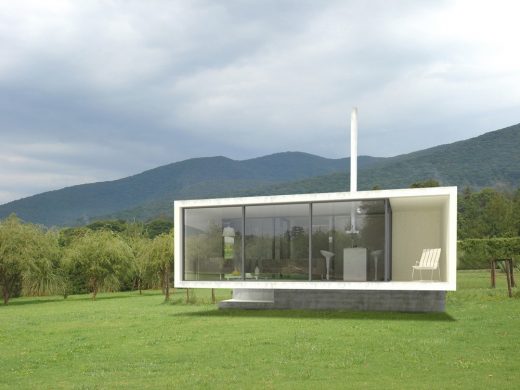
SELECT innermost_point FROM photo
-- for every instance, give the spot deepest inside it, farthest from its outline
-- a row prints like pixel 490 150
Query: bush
pixel 102 258
pixel 476 253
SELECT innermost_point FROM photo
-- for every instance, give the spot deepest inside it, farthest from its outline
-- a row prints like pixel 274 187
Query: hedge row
pixel 476 253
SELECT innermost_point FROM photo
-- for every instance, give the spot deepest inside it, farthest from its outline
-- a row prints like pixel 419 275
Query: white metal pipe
pixel 353 150
pixel 353 167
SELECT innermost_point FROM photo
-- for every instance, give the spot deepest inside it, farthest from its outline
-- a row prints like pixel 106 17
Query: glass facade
pixel 352 236
pixel 325 241
pixel 277 242
pixel 213 243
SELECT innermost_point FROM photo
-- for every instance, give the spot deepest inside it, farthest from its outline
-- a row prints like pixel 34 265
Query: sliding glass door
pixel 277 242
pixel 322 241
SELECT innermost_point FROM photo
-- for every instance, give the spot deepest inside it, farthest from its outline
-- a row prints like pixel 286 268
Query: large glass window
pixel 277 242
pixel 213 243
pixel 348 241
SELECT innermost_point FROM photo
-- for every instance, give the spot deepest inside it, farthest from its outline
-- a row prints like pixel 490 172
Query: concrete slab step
pixel 245 304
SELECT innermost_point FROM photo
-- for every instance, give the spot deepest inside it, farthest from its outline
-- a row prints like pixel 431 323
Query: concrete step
pixel 245 304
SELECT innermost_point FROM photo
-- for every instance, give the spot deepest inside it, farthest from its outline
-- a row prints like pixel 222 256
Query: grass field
pixel 124 340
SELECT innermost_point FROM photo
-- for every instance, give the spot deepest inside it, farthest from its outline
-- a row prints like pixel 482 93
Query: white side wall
pixel 450 213
pixel 413 231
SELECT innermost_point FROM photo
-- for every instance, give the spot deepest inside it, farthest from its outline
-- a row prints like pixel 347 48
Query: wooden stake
pixel 507 265
pixel 493 267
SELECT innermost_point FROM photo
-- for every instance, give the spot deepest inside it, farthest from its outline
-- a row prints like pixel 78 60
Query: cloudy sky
pixel 98 90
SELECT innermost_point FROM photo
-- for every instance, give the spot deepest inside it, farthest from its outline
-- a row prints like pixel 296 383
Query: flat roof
pixel 400 197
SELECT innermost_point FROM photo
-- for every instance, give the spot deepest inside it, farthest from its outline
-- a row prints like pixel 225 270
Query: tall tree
pixel 516 213
pixel 145 273
pixel 161 255
pixel 487 213
pixel 103 258
pixel 14 252
pixel 41 273
pixel 158 226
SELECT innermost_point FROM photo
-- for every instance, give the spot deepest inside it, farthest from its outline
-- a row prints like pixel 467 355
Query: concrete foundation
pixel 355 300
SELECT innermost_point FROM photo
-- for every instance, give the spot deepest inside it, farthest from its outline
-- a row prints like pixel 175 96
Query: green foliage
pixel 516 212
pixel 157 227
pixel 476 253
pixel 14 253
pixel 68 235
pixel 102 259
pixel 81 260
pixel 161 259
pixel 425 184
pixel 145 273
pixel 487 213
pixel 42 272
pixel 29 259
pixel 116 226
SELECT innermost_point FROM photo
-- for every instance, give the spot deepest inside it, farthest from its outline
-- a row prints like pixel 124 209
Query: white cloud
pixel 98 90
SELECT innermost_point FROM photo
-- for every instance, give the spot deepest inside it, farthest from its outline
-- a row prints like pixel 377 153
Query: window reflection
pixel 277 242
pixel 350 236
pixel 347 242
pixel 213 243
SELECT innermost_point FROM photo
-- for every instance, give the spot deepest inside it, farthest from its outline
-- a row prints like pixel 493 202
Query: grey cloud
pixel 126 86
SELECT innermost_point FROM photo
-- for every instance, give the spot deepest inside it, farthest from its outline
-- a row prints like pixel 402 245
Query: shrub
pixel 102 259
pixel 476 253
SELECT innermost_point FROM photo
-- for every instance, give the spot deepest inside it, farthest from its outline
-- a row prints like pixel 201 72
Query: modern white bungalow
pixel 360 250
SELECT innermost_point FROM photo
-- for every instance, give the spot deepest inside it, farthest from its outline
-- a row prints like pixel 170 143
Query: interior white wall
pixel 413 231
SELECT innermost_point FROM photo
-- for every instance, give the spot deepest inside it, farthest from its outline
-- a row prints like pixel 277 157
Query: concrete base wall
pixel 356 300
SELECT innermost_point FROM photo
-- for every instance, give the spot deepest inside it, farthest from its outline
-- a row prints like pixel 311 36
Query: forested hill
pixel 193 178
pixel 490 160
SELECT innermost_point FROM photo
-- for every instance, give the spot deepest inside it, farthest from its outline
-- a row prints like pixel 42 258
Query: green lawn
pixel 124 340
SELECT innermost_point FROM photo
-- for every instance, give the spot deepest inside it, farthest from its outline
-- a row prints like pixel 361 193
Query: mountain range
pixel 489 160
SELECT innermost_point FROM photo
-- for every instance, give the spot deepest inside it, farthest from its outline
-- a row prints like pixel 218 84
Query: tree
pixel 157 227
pixel 484 214
pixel 103 259
pixel 70 234
pixel 161 256
pixel 516 213
pixel 29 257
pixel 41 273
pixel 14 252
pixel 425 184
pixel 145 273
pixel 116 226
pixel 497 214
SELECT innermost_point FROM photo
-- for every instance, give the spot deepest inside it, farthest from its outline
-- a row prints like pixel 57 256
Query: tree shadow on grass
pixel 35 301
pixel 101 298
pixel 321 314
pixel 107 296
pixel 73 298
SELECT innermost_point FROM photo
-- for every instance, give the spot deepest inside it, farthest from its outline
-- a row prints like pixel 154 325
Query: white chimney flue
pixel 353 150
pixel 353 170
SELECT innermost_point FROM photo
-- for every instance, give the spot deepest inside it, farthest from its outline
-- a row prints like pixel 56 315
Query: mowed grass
pixel 124 340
